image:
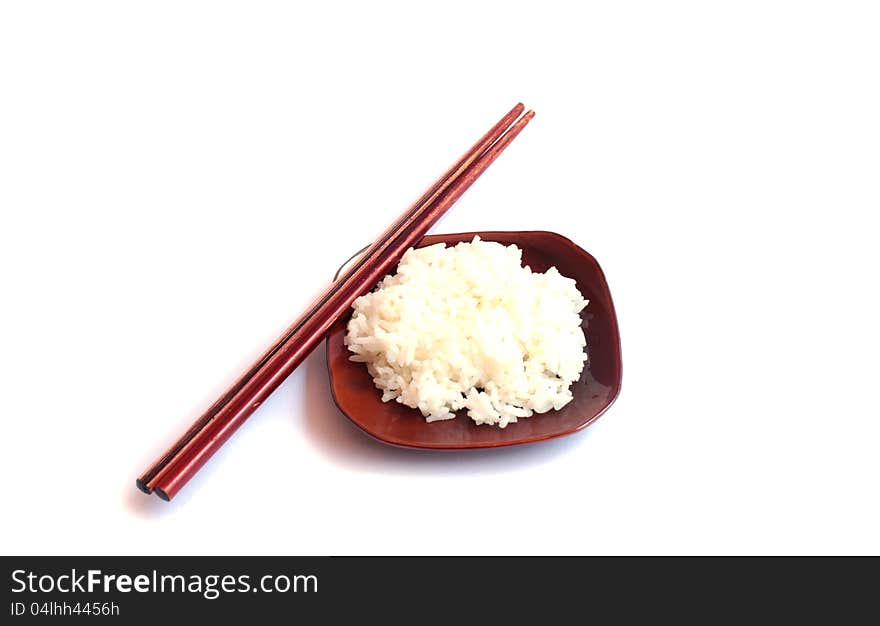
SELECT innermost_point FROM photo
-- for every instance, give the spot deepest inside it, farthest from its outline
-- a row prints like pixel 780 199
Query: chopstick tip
pixel 516 111
pixel 525 119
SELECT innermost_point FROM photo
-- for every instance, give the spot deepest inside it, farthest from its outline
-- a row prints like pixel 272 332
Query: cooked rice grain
pixel 468 327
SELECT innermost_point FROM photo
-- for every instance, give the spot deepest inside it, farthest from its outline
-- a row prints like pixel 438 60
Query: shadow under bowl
pixel 391 422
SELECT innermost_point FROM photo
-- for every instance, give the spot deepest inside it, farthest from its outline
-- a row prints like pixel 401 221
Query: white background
pixel 178 180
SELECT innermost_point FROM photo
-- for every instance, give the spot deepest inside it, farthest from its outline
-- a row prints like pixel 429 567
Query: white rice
pixel 468 327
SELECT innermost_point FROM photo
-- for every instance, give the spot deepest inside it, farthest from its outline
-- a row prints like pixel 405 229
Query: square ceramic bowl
pixel 393 423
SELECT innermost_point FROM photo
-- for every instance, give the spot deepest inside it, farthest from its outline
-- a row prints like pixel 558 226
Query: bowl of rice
pixel 479 340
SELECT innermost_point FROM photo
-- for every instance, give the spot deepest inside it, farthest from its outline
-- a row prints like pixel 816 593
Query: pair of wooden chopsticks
pixel 187 455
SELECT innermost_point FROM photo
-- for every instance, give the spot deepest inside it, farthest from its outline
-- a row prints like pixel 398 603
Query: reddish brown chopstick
pixel 183 459
pixel 147 480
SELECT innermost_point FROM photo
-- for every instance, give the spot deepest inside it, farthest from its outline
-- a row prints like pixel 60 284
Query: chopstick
pixel 177 465
pixel 144 482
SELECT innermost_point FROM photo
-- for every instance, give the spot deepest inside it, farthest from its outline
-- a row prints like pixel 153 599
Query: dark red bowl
pixel 396 424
